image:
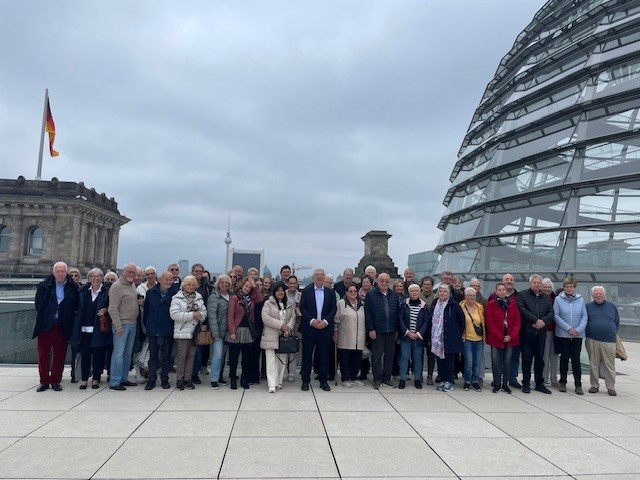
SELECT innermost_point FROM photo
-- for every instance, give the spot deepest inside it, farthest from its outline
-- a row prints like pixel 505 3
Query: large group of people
pixel 154 322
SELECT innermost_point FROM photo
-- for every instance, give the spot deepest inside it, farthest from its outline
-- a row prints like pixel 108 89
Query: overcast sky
pixel 313 122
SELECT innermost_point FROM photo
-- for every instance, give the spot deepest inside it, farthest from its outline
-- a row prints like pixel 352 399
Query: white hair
pixel 150 268
pixel 534 276
pixel 470 290
pixel 598 286
pixel 414 286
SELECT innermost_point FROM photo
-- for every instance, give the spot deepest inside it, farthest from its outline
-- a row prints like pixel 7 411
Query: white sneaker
pixel 278 387
pixel 272 390
pixel 291 378
pixel 346 384
pixel 358 383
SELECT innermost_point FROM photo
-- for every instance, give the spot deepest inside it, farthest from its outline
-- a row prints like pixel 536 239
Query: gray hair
pixel 598 286
pixel 93 271
pixel 150 268
pixel 59 264
pixel 547 281
pixel 470 290
pixel 188 279
pixel 534 276
pixel 413 286
pixel 223 277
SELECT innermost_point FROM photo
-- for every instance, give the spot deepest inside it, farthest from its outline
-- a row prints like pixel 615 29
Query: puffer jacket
pixel 273 321
pixel 569 312
pixel 350 325
pixel 183 322
pixel 217 308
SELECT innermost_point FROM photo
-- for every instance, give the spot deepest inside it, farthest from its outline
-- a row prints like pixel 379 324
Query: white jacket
pixel 184 323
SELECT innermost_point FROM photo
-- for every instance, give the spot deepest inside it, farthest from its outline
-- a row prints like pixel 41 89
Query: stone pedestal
pixel 376 247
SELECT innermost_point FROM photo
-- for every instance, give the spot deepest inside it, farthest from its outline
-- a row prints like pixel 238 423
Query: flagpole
pixel 44 121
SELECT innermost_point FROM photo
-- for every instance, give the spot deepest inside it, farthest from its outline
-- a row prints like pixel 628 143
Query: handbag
pixel 105 322
pixel 253 329
pixel 204 336
pixel 290 344
pixel 477 328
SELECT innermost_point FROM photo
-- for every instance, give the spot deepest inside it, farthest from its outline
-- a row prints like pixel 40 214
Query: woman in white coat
pixel 187 310
pixel 279 317
pixel 349 335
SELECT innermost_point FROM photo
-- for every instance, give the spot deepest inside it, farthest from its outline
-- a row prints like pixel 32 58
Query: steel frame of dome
pixel 548 175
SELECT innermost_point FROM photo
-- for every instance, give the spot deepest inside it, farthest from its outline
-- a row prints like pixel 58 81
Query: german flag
pixel 50 127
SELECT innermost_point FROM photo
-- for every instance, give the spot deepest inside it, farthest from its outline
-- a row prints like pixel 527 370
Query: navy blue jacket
pixel 156 318
pixel 46 304
pixel 421 322
pixel 309 311
pixel 374 314
pixel 98 339
pixel 453 327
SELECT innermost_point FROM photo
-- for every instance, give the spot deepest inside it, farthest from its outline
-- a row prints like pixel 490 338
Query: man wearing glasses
pixel 174 268
pixel 123 309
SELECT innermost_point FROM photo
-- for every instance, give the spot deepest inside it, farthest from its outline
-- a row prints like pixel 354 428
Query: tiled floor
pixel 346 433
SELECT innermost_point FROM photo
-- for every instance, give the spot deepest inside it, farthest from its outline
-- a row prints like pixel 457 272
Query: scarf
pixel 437 330
pixel 192 306
pixel 245 298
pixel 504 304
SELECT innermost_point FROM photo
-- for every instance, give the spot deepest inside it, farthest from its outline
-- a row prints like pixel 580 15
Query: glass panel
pixel 608 249
pixel 459 262
pixel 458 232
pixel 533 251
pixel 615 205
pixel 606 160
pixel 35 241
pixel 4 239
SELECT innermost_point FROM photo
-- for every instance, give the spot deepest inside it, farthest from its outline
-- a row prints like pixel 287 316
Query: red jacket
pixel 494 320
pixel 235 313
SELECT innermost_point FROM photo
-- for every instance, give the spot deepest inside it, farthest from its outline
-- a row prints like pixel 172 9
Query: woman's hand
pixel 285 329
pixel 197 315
pixel 232 337
pixel 506 339
pixel 102 311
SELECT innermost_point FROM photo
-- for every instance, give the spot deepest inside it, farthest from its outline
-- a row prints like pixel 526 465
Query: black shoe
pixel 325 386
pixel 165 384
pixel 476 386
pixel 515 384
pixel 150 386
pixel 214 386
pixel 56 387
pixel 42 387
pixel 438 379
pixel 466 386
pixel 543 389
pixel 362 377
pixel 118 387
pixel 304 388
pixel 73 380
pixel 401 384
pixel 196 380
pixel 418 384
pixel 525 388
pixel 127 383
pixel 180 384
pixel 222 381
pixel 95 385
pixel 496 389
pixel 505 388
pixel 244 385
pixel 189 384
pixel 234 384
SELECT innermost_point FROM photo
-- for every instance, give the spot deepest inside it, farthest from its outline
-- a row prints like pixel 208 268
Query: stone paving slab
pixel 357 433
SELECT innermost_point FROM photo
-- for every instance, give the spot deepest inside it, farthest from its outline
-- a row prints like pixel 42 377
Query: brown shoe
pixel 593 390
pixel 612 392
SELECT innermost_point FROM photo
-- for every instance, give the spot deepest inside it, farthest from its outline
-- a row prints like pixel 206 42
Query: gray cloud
pixel 312 122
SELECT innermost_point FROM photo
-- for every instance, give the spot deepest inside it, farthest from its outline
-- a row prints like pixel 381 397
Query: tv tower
pixel 227 241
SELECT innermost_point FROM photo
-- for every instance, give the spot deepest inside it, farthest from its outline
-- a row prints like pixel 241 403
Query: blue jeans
pixel 217 349
pixel 472 353
pixel 413 348
pixel 122 352
pixel 515 363
pixel 197 362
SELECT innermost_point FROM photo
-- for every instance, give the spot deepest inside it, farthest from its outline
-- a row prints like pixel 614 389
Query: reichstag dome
pixel 548 175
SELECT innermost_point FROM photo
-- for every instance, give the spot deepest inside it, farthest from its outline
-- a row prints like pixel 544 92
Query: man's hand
pixel 372 334
pixel 119 330
pixel 539 324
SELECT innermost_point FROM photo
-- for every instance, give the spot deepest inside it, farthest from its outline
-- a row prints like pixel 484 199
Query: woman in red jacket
pixel 502 319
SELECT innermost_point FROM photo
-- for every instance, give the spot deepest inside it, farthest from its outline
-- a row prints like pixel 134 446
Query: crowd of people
pixel 153 322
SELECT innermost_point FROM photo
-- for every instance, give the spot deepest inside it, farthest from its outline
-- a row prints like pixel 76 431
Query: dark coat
pixel 98 339
pixel 46 297
pixel 374 314
pixel 156 318
pixel 421 322
pixel 532 308
pixel 236 310
pixel 454 323
pixel 308 310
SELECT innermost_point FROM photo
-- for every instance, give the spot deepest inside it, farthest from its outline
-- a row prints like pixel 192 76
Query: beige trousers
pixel 604 352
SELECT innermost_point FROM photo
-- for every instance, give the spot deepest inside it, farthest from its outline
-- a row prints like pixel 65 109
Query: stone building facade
pixel 42 222
pixel 376 253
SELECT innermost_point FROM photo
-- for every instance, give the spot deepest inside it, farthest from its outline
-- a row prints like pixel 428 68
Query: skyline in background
pixel 311 123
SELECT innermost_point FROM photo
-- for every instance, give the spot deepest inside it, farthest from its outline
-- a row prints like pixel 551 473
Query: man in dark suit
pixel 318 307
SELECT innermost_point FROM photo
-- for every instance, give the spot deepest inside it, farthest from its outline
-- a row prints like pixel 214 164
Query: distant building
pixel 247 259
pixel 42 222
pixel 184 267
pixel 376 253
pixel 423 263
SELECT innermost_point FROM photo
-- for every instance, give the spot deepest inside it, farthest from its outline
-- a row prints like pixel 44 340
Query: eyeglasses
pixel 74 274
pixel 198 271
pixel 174 269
